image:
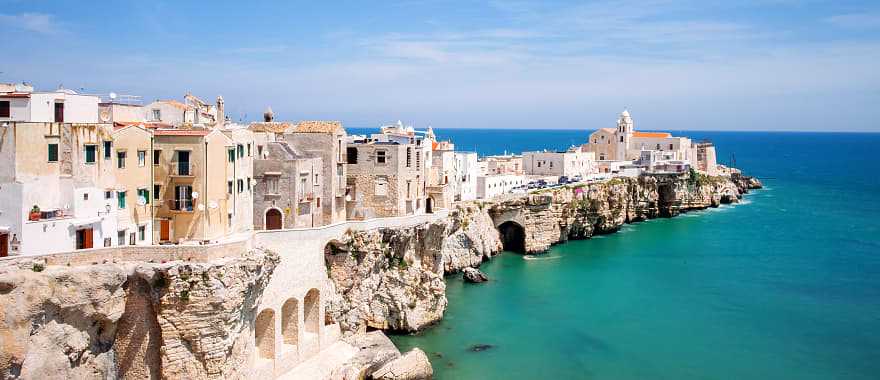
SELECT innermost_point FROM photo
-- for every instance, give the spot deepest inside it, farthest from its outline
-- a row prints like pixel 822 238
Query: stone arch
pixel 274 219
pixel 264 331
pixel 513 236
pixel 312 311
pixel 290 321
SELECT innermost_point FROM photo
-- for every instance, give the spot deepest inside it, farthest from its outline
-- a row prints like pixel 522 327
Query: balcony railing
pixel 182 169
pixel 180 204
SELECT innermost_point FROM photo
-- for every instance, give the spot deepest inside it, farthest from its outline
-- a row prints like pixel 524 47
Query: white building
pixel 624 143
pixel 493 185
pixel 61 106
pixel 570 163
pixel 467 171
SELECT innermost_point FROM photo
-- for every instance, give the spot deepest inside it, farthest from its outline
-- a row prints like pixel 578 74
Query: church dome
pixel 624 114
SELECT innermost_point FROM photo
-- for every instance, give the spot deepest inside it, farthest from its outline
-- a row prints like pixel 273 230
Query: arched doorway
pixel 429 205
pixel 312 311
pixel 513 236
pixel 273 219
pixel 265 334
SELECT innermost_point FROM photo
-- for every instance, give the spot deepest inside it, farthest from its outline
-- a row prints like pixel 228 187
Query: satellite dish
pixel 201 207
pixel 212 205
pixel 112 95
pixel 195 195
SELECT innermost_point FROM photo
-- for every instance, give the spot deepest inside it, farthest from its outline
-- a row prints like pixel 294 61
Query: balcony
pixel 180 204
pixel 182 169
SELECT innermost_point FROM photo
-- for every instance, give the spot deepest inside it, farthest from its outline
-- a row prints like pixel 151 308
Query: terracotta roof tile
pixel 652 134
pixel 181 132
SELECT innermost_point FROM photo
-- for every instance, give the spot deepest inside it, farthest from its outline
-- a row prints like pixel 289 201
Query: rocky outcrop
pixel 132 320
pixel 378 358
pixel 389 279
pixel 473 275
pixel 413 365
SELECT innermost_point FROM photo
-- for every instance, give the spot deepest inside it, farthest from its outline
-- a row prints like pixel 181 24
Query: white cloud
pixel 32 22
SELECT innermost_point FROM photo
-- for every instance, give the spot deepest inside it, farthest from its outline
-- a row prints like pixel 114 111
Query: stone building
pixel 22 103
pixel 386 178
pixel 503 164
pixel 467 171
pixel 288 187
pixel 132 157
pixel 325 139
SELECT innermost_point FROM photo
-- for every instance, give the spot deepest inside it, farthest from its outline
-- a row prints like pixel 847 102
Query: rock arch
pixel 264 331
pixel 290 322
pixel 513 236
pixel 312 311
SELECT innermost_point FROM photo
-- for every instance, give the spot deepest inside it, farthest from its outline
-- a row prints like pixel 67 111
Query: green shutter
pixel 121 197
pixel 53 152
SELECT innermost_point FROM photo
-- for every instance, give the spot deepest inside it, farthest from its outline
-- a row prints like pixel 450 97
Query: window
pixel 249 150
pixel 85 196
pixel 271 185
pixel 108 194
pixel 157 115
pixel 120 237
pixel 249 183
pixel 90 153
pixel 259 150
pixel 231 155
pixel 120 159
pixel 670 146
pixel 381 186
pixel 53 152
pixel 229 187
pixel 621 138
pixel 658 146
pixel 408 156
pixel 131 238
pixel 145 194
pixel 120 195
pixel 182 198
pixel 240 150
pixel 240 186
pixel 318 202
pixel 108 147
pixel 5 108
pixel 380 156
pixel 156 190
pixel 108 242
pixel 142 233
pixel 302 186
pixel 351 155
pixel 142 158
pixel 157 156
pixel 59 112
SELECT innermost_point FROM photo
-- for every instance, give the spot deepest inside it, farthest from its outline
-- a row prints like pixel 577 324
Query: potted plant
pixel 35 213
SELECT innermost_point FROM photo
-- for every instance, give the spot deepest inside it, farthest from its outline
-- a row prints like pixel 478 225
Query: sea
pixel 785 285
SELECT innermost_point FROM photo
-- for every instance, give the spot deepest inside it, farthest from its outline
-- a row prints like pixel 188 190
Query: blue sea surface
pixel 783 286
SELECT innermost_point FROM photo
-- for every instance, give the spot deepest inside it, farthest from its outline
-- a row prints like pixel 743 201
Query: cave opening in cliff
pixel 513 236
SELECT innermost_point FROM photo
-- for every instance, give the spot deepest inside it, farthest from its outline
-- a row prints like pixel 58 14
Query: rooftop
pixel 318 126
pixel 652 134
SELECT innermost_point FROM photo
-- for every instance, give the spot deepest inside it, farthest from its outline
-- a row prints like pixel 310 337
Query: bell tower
pixel 624 134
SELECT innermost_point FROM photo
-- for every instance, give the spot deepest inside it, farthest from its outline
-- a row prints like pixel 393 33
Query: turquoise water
pixel 785 286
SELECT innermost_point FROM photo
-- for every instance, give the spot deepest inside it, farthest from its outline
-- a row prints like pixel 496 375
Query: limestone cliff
pixel 471 237
pixel 130 320
pixel 388 278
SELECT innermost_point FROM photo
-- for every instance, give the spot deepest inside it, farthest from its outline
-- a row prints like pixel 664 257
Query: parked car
pixel 563 179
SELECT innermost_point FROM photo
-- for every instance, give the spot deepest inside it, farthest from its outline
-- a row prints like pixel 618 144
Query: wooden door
pixel 164 230
pixel 4 245
pixel 273 219
pixel 84 238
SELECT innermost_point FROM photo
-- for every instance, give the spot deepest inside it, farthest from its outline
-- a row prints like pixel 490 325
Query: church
pixel 624 143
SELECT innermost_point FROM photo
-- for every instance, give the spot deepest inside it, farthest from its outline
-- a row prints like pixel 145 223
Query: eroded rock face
pixel 413 365
pixel 173 320
pixel 473 275
pixel 388 279
pixel 472 237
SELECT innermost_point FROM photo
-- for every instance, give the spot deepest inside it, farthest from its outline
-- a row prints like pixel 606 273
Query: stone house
pixel 467 170
pixel 385 178
pixel 22 103
pixel 325 139
pixel 503 164
pixel 287 189
pixel 624 143
pixel 240 159
pixel 569 163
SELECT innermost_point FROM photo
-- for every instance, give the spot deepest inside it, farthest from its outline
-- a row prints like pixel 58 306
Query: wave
pixel 527 257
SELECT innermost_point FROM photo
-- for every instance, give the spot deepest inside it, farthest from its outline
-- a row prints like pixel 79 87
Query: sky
pixel 677 65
